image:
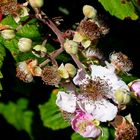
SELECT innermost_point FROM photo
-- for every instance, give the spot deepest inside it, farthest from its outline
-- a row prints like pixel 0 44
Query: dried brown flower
pixel 50 75
pixel 121 62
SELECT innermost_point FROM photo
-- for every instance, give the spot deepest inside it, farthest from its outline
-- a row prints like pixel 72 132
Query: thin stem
pixel 53 55
pixel 54 28
pixel 77 61
pixel 44 18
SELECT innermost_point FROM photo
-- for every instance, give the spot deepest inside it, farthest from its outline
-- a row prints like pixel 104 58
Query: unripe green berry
pixel 25 44
pixel 8 34
pixel 36 3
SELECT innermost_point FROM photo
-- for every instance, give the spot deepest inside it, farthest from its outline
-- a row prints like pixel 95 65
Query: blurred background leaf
pixel 2 55
pixel 51 115
pixel 120 8
pixel 17 115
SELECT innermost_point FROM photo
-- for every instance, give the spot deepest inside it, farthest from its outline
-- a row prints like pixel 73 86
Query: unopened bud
pixel 8 34
pixel 25 44
pixel 70 69
pixel 71 47
pixel 63 72
pixel 39 50
pixel 135 87
pixel 36 3
pixel 122 97
pixel 89 11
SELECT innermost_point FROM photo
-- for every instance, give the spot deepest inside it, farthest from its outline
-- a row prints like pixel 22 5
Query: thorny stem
pixel 43 18
pixel 54 28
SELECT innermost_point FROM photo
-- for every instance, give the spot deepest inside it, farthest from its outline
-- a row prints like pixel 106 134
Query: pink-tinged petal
pixel 92 132
pixel 135 87
pixel 82 124
pixel 81 78
pixel 66 102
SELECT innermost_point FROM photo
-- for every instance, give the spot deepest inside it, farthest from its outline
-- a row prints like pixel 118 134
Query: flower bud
pixel 36 3
pixel 78 37
pixel 8 34
pixel 89 11
pixel 122 97
pixel 25 44
pixel 41 49
pixel 135 87
pixel 37 71
pixel 71 47
pixel 70 69
pixel 63 72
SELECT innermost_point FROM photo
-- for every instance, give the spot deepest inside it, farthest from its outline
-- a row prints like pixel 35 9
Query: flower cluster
pixel 100 97
pixel 98 94
pixel 92 91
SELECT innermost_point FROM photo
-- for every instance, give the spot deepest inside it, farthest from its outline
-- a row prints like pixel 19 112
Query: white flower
pixel 109 75
pixel 101 110
pixel 66 102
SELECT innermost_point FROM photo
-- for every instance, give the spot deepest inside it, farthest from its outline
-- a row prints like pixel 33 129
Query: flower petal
pixel 81 78
pixel 108 75
pixel 82 123
pixel 101 110
pixel 104 111
pixel 66 102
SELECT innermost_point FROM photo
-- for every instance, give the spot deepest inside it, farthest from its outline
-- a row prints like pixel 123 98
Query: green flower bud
pixel 71 47
pixel 63 72
pixel 41 49
pixel 70 69
pixel 89 11
pixel 36 3
pixel 8 34
pixel 122 97
pixel 25 44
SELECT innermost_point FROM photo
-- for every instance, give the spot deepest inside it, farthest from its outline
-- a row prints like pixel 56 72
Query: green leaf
pixel 105 134
pixel 24 56
pixel 29 31
pixel 12 46
pixel 63 57
pixel 2 55
pixel 9 20
pixel 76 136
pixel 51 115
pixel 16 115
pixel 128 78
pixel 120 9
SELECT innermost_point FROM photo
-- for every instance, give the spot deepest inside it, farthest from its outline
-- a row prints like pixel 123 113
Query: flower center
pixel 81 125
pixel 96 89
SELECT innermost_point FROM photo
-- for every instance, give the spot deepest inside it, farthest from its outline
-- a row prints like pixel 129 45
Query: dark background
pixel 123 36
